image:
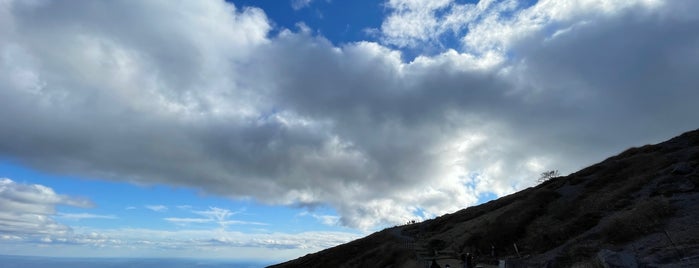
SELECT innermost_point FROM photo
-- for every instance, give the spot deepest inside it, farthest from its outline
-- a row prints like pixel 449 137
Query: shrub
pixel 643 219
pixel 436 244
pixel 548 175
pixel 575 254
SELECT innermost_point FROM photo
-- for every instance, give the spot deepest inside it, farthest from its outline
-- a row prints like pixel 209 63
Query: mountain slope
pixel 639 207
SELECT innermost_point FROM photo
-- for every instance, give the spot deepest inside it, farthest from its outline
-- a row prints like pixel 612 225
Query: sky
pixel 269 129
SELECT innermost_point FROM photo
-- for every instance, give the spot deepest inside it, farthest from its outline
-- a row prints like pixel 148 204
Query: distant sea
pixel 50 262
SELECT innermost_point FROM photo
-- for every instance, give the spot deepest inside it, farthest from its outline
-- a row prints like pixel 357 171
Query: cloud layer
pixel 200 94
pixel 26 211
pixel 28 224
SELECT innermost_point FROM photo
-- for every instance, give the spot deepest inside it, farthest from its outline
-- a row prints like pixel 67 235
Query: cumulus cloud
pixel 413 21
pixel 199 94
pixel 490 25
pixel 27 210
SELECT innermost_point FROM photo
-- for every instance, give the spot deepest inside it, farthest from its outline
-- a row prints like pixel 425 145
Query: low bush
pixel 643 219
pixel 575 254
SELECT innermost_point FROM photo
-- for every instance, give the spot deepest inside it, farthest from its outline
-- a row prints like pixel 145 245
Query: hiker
pixel 467 260
pixel 434 264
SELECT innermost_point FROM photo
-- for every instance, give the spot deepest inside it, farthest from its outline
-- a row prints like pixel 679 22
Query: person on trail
pixel 434 264
pixel 467 260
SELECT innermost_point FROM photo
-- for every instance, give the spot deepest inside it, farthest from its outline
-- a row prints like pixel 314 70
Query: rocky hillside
pixel 640 208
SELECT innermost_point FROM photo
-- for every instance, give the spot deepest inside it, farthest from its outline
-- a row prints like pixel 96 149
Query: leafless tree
pixel 548 175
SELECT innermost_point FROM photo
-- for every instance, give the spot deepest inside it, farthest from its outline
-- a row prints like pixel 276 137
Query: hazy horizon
pixel 14 261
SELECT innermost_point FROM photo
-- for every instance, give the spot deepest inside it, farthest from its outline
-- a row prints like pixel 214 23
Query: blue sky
pixel 119 204
pixel 338 21
pixel 266 130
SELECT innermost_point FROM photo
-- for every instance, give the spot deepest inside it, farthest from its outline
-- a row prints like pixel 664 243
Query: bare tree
pixel 548 175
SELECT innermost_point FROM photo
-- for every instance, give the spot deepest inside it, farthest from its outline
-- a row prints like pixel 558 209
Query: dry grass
pixel 642 219
pixel 590 263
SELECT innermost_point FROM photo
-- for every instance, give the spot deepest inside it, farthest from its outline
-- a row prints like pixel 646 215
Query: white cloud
pixel 157 208
pixel 547 17
pixel 412 21
pixel 188 220
pixel 215 213
pixel 27 224
pixel 331 220
pixel 184 207
pixel 300 4
pixel 237 222
pixel 491 25
pixel 199 94
pixel 219 216
pixel 85 216
pixel 27 210
pixel 186 243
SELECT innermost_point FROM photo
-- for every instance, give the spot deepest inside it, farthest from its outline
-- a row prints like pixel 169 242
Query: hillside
pixel 640 207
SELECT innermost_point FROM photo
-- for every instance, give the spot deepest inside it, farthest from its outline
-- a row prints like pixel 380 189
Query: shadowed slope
pixel 642 204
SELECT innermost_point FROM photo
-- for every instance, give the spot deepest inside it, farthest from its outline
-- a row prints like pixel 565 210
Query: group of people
pixel 466 260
